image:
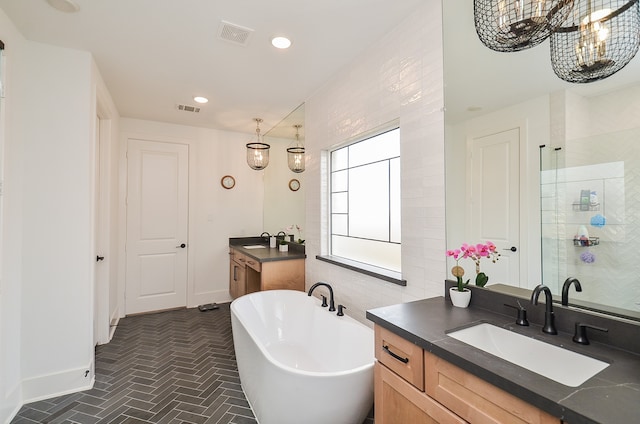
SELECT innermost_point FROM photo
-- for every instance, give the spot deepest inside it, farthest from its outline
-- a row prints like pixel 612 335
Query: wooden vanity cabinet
pixel 247 275
pixel 450 394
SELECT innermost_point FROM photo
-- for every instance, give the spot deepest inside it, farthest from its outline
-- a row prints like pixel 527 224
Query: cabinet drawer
pixel 253 263
pixel 401 356
pixel 474 399
pixel 238 257
pixel 244 260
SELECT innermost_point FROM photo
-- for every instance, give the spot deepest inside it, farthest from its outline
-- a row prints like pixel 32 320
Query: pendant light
pixel 295 155
pixel 257 151
pixel 597 40
pixel 514 25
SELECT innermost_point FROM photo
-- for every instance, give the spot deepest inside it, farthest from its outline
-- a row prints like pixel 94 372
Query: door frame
pixel 154 136
pixel 104 131
pixel 100 276
pixel 526 170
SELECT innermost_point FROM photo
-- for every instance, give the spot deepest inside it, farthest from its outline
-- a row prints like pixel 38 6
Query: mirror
pixel 497 102
pixel 284 207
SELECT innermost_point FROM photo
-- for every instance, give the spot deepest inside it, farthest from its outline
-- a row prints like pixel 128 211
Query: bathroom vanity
pixel 254 266
pixel 424 375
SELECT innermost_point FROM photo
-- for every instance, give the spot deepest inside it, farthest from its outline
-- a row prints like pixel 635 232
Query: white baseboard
pixel 218 296
pixel 115 316
pixel 11 405
pixel 58 384
pixel 113 323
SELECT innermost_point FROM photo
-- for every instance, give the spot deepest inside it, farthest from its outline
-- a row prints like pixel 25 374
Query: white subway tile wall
pixel 398 77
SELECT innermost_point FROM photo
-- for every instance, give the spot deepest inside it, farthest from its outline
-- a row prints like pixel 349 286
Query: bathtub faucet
pixel 331 303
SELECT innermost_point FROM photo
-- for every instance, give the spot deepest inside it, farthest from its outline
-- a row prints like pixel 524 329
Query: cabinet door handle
pixel 395 355
pixel 235 273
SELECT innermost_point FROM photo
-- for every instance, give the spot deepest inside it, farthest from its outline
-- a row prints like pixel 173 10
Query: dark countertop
pixel 296 251
pixel 611 396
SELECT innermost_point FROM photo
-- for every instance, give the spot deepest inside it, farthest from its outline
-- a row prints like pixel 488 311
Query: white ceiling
pixel 154 54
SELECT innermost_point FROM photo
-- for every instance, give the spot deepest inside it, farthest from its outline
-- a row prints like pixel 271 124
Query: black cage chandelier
pixel 590 39
pixel 514 25
pixel 598 39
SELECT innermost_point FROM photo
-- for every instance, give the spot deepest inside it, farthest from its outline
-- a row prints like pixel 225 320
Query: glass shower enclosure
pixel 590 219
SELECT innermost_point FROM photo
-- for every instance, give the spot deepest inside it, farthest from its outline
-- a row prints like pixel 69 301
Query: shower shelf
pixel 576 206
pixel 591 241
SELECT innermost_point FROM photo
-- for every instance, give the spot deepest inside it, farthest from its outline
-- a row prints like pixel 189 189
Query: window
pixel 365 201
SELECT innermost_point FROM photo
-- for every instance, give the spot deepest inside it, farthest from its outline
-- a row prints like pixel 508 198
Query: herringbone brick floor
pixel 165 368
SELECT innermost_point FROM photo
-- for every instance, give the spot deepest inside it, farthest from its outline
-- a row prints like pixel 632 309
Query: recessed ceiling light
pixel 67 6
pixel 281 42
pixel 200 99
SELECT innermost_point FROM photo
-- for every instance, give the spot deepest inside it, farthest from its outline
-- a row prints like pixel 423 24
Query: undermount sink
pixel 561 365
pixel 255 246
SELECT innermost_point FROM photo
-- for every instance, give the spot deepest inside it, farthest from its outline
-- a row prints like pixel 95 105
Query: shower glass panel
pixel 552 226
pixel 590 219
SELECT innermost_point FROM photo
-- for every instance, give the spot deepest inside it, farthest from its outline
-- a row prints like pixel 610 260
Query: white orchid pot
pixel 460 299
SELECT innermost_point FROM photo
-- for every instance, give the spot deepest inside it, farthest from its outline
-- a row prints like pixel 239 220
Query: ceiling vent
pixel 234 33
pixel 187 108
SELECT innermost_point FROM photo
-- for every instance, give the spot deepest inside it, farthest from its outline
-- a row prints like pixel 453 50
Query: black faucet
pixel 331 303
pixel 263 236
pixel 549 326
pixel 565 289
pixel 340 310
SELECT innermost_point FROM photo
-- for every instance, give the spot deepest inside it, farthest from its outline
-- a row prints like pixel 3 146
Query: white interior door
pixel 157 226
pixel 495 209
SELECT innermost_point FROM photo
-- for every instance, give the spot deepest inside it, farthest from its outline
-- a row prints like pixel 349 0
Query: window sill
pixel 370 270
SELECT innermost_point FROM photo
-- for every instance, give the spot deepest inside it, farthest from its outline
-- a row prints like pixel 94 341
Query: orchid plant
pixel 475 253
pixel 291 228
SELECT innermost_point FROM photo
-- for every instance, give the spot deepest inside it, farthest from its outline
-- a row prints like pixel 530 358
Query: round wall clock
pixel 228 182
pixel 294 185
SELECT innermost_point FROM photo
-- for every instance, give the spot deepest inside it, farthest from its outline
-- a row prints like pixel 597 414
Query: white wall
pixel 215 214
pixel 11 249
pixel 57 187
pixel 398 77
pixel 48 256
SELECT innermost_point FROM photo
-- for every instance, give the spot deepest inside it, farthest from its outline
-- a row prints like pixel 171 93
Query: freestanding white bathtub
pixel 300 363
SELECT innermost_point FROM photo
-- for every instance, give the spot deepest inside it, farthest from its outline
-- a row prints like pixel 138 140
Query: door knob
pixel 182 246
pixel 512 248
pixel 99 258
